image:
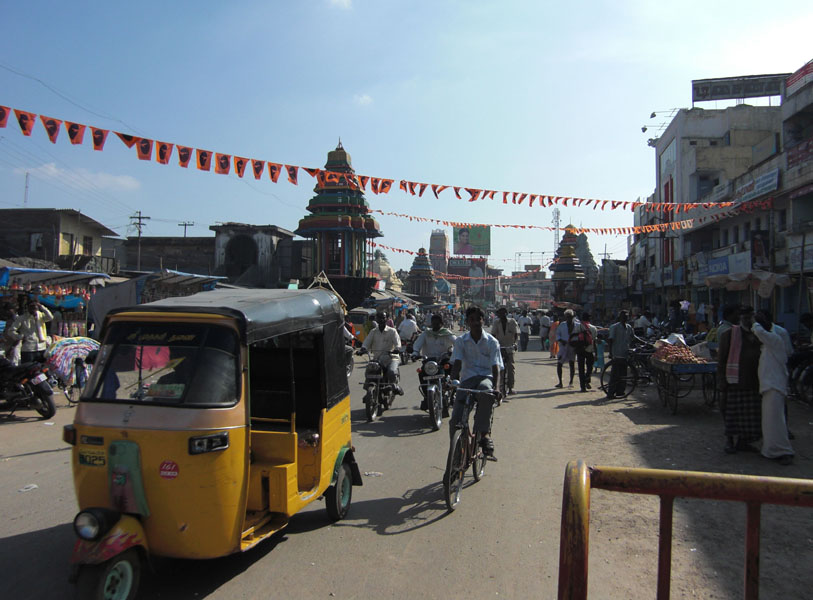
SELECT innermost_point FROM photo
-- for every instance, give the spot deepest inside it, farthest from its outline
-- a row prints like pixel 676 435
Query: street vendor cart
pixel 676 380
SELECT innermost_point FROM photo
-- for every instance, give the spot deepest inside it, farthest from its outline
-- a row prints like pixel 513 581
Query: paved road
pixel 398 540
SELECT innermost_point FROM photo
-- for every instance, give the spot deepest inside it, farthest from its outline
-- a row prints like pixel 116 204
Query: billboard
pixel 472 241
pixel 732 88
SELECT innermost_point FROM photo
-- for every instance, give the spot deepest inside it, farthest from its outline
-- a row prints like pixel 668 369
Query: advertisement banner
pixel 472 241
pixel 760 251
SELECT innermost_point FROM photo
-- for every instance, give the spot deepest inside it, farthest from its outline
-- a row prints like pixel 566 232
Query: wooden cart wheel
pixel 672 396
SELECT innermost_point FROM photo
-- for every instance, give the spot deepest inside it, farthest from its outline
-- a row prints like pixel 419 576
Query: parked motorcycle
pixel 435 388
pixel 26 386
pixel 379 393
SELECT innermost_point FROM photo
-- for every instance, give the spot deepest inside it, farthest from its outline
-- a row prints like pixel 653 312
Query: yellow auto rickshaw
pixel 208 421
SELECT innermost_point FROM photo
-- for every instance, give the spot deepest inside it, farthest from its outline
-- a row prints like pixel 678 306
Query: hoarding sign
pixel 718 266
pixel 730 88
pixel 472 241
pixel 799 79
pixel 764 184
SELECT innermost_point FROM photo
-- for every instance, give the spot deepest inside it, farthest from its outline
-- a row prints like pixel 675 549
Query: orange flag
pixel 258 166
pixel 386 185
pixel 163 150
pixel 411 185
pixel 4 111
pixel 184 154
pixel 422 190
pixel 363 179
pixel 274 170
pixel 293 173
pixel 26 121
pixel 128 140
pixel 222 163
pixel 99 137
pixel 375 183
pixel 403 186
pixel 51 127
pixel 311 172
pixel 144 149
pixel 76 132
pixel 505 197
pixel 437 189
pixel 457 193
pixel 240 165
pixel 204 159
pixel 474 194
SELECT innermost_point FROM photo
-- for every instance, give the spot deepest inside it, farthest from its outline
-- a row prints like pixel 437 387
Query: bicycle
pixel 465 450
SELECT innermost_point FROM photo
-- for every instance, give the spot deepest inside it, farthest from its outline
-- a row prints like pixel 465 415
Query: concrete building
pixel 66 237
pixel 439 250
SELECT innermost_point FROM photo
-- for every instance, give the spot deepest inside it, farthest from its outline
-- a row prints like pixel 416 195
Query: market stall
pixel 677 371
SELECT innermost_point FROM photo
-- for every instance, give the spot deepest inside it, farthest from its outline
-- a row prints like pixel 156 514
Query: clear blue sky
pixel 530 96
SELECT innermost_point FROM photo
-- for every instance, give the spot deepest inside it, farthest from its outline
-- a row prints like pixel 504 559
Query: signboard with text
pixel 731 88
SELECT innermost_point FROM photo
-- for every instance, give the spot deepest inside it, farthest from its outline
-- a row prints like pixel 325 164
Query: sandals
pixel 487 444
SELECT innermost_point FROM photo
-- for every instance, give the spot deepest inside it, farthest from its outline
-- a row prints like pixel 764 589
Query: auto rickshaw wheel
pixel 116 579
pixel 339 495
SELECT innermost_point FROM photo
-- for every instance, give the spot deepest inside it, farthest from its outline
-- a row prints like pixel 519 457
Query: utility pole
pixel 555 222
pixel 138 219
pixel 25 195
pixel 186 224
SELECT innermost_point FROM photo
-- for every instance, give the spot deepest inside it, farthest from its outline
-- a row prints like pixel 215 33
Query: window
pixel 87 245
pixel 36 242
pixel 783 220
pixel 757 223
pixel 724 237
pixel 652 262
pixel 735 235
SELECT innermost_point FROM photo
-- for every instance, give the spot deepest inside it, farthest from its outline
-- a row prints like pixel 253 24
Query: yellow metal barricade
pixel 752 490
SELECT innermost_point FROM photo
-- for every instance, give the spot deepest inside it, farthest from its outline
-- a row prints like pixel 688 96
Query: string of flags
pixel 222 163
pixel 684 224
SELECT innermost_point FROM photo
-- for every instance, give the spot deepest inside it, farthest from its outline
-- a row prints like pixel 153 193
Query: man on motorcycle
pixel 433 343
pixel 408 328
pixel 476 360
pixel 380 343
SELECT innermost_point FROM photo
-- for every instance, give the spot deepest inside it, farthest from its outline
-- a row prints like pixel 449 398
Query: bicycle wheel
pixel 478 463
pixel 630 380
pixel 455 469
pixel 804 385
pixel 709 389
pixel 672 393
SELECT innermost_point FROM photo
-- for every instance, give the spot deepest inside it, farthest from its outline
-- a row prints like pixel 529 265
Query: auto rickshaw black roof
pixel 262 313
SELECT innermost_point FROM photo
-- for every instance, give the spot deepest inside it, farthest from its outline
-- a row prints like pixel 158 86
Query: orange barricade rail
pixel 752 490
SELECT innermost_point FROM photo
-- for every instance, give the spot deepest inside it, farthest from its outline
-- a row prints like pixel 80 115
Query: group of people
pixel 25 335
pixel 752 379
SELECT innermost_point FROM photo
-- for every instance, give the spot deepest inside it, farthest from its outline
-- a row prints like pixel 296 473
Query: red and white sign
pixel 169 469
pixel 799 79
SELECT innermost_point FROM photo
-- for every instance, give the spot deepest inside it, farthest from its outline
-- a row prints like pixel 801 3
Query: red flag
pixel 222 163
pixel 26 121
pixel 76 132
pixel 144 149
pixel 258 166
pixel 505 197
pixel 99 137
pixel 129 140
pixel 513 197
pixel 457 193
pixel 474 194
pixel 437 189
pixel 422 190
pixel 564 201
pixel 274 170
pixel 4 111
pixel 204 159
pixel 374 184
pixel 311 172
pixel 411 185
pixel 51 127
pixel 293 172
pixel 521 198
pixel 163 152
pixel 491 195
pixel 402 185
pixel 386 185
pixel 615 204
pixel 531 200
pixel 363 179
pixel 184 154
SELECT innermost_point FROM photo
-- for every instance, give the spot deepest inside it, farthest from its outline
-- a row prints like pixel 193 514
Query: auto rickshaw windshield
pixel 188 364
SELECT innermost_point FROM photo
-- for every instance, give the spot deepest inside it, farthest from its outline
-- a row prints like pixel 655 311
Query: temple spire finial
pixel 340 147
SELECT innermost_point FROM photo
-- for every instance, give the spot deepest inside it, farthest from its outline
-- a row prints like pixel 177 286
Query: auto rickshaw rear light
pixel 69 435
pixel 209 443
pixel 93 523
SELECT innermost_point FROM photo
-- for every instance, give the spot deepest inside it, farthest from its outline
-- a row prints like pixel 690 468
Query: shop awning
pixel 761 281
pixel 24 276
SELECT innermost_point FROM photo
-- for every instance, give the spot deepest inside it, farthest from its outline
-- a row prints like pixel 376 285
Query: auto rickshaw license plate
pixel 92 458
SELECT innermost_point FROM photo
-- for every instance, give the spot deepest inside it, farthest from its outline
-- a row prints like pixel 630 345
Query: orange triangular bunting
pixel 51 127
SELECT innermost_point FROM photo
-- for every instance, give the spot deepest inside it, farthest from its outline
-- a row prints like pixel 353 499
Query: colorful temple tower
pixel 340 226
pixel 568 275
pixel 421 278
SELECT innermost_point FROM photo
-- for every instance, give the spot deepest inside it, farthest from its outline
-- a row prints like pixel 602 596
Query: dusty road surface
pixel 399 541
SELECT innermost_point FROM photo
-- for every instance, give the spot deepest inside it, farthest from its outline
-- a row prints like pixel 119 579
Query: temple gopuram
pixel 568 275
pixel 340 226
pixel 421 278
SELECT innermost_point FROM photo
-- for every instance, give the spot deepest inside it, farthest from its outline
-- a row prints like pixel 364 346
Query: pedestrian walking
pixel 506 330
pixel 554 346
pixel 525 322
pixel 585 351
pixel 566 335
pixel 621 335
pixel 544 331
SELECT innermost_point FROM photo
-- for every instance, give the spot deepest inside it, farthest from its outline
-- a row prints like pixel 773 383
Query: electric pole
pixel 555 222
pixel 25 195
pixel 138 219
pixel 186 224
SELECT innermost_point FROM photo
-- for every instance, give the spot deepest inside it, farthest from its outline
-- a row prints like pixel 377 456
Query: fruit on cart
pixel 677 355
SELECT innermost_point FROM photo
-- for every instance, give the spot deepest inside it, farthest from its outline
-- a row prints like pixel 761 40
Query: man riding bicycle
pixel 476 360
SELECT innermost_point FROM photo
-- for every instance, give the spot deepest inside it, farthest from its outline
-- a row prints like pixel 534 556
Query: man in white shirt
pixel 408 328
pixel 524 323
pixel 436 343
pixel 476 361
pixel 773 385
pixel 380 343
pixel 642 322
pixel 544 330
pixel 566 334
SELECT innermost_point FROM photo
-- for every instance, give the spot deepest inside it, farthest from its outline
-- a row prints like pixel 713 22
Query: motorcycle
pixel 435 388
pixel 349 361
pixel 379 393
pixel 406 350
pixel 26 386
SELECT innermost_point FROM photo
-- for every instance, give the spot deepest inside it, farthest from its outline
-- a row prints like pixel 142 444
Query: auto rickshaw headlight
pixel 93 523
